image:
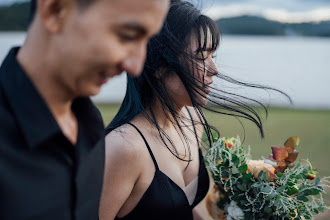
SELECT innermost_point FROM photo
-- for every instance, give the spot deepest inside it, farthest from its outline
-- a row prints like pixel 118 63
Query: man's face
pixel 103 40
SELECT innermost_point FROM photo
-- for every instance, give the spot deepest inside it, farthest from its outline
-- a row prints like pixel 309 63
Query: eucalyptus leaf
pixel 256 185
pixel 277 201
pixel 279 175
pixel 271 196
pixel 243 168
pixel 234 170
pixel 315 191
pixel 292 190
pixel 303 198
pixel 241 187
pixel 262 176
pixel 317 181
pixel 281 189
pixel 266 189
pixel 235 160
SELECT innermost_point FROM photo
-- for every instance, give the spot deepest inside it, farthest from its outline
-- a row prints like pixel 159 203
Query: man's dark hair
pixel 33 7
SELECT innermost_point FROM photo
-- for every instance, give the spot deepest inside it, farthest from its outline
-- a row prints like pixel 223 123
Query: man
pixel 51 137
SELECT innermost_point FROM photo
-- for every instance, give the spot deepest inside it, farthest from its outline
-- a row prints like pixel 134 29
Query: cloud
pixel 316 15
pixel 9 2
pixel 284 11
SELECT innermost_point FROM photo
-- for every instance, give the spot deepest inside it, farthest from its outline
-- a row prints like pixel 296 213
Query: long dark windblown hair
pixel 169 53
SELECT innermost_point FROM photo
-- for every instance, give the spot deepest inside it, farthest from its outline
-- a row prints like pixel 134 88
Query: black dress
pixel 164 199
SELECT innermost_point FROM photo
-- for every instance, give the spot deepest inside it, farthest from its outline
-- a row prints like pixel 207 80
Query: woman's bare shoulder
pixel 124 141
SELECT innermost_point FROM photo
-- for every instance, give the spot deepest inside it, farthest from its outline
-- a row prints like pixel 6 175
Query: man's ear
pixel 53 13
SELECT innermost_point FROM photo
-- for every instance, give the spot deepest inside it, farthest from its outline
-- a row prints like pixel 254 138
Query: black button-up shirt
pixel 42 175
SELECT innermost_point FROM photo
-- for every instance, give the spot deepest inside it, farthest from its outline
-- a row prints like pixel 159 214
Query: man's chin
pixel 91 92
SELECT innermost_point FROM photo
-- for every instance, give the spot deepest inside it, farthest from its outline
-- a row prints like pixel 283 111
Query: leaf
pixel 303 198
pixel 290 183
pixel 279 175
pixel 292 157
pixel 280 153
pixel 292 190
pixel 247 176
pixel 281 189
pixel 315 192
pixel 317 181
pixel 256 185
pixel 301 176
pixel 291 143
pixel 242 169
pixel 266 189
pixel 306 192
pixel 315 211
pixel 271 196
pixel 242 187
pixel 262 176
pixel 235 160
pixel 278 200
pixel 234 170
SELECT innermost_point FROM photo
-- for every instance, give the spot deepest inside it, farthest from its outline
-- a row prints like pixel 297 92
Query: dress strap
pixel 145 141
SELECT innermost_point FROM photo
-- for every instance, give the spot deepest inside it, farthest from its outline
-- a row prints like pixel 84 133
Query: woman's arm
pixel 200 211
pixel 120 174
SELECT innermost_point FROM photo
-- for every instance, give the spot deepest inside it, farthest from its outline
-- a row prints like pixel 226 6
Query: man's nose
pixel 134 63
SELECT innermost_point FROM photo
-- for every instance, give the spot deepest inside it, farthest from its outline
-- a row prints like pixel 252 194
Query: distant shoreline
pixel 14 18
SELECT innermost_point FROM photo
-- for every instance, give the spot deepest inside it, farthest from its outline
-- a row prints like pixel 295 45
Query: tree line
pixel 15 18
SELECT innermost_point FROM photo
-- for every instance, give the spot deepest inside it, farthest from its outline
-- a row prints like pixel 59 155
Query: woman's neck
pixel 164 120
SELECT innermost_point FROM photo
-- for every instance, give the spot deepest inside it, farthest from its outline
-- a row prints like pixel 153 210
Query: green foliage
pixel 252 25
pixel 289 196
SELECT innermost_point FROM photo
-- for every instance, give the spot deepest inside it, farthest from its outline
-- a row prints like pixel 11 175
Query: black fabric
pixel 164 199
pixel 42 175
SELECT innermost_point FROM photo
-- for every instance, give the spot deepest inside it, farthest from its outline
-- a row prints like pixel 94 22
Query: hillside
pixel 14 18
pixel 251 25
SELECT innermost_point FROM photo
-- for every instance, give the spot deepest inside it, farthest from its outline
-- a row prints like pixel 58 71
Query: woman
pixel 154 166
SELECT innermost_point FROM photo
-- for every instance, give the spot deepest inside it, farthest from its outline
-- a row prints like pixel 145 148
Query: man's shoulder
pixel 4 105
pixel 8 126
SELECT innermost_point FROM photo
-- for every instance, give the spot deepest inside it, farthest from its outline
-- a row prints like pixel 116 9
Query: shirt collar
pixel 31 111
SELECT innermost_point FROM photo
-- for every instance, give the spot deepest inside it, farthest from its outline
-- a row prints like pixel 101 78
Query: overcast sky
pixel 280 10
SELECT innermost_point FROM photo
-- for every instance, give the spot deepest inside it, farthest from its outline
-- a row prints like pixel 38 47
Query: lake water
pixel 299 66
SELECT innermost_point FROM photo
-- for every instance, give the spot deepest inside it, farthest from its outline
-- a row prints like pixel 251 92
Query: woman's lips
pixel 207 90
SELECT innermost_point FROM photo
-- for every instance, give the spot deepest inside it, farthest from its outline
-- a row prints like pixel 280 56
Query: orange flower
pixel 227 142
pixel 212 208
pixel 255 166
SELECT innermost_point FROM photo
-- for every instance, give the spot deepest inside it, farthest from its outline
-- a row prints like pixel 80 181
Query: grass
pixel 312 126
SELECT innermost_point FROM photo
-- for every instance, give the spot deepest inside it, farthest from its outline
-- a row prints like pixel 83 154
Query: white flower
pixel 234 212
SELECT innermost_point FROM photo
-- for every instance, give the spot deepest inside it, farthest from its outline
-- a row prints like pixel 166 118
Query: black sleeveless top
pixel 164 199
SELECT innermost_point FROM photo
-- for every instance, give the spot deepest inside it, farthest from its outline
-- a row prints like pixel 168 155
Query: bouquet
pixel 273 188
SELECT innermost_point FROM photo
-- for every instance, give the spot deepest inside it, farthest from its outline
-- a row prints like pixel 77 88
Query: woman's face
pixel 202 69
